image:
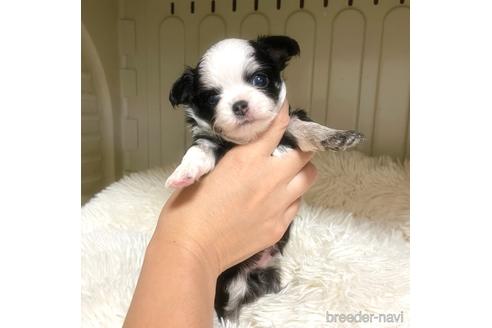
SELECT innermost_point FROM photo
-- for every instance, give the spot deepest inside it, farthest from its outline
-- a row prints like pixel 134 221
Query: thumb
pixel 269 140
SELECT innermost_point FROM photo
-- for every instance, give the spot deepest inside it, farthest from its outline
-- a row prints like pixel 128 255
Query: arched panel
pixel 352 72
pixel 171 63
pixel 393 98
pixel 97 139
pixel 254 25
pixel 299 74
pixel 344 80
pixel 211 29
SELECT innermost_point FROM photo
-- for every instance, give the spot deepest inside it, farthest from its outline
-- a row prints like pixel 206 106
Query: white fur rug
pixel 348 252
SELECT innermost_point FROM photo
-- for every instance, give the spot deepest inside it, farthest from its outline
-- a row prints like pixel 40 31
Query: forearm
pixel 175 289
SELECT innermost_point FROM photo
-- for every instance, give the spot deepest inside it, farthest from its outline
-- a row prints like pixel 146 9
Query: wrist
pixel 188 255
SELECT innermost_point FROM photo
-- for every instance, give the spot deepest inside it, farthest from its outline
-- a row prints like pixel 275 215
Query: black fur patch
pixel 183 89
pixel 279 48
pixel 260 281
pixel 301 114
pixel 270 69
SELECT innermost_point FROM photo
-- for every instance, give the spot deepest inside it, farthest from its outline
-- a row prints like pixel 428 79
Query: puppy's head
pixel 236 89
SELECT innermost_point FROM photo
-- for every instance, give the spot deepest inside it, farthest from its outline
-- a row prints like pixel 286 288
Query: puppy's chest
pixel 281 150
pixel 286 144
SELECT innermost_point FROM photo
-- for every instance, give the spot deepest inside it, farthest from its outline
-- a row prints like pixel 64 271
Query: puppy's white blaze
pixel 225 63
pixel 237 290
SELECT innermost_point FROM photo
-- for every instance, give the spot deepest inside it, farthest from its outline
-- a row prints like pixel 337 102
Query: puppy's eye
pixel 213 100
pixel 259 80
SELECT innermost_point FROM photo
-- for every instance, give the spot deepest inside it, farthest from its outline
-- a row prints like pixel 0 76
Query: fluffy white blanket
pixel 347 258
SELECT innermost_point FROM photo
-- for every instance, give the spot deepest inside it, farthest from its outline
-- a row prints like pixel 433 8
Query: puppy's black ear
pixel 280 48
pixel 182 90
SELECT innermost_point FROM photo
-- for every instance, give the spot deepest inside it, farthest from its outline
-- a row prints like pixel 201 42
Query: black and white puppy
pixel 230 97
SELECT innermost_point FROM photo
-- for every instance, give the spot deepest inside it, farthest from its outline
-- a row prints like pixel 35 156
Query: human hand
pixel 243 206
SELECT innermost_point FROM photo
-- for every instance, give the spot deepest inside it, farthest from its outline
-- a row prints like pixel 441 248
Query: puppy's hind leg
pixel 198 160
pixel 311 136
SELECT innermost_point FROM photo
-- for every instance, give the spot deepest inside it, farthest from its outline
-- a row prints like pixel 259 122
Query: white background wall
pixel 353 72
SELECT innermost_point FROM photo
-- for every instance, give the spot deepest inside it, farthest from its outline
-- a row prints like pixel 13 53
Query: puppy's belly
pixel 266 257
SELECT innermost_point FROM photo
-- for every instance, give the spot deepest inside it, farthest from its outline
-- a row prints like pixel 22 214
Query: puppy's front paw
pixel 177 183
pixel 342 140
pixel 182 177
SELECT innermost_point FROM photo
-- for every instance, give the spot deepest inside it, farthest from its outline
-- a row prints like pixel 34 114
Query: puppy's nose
pixel 240 108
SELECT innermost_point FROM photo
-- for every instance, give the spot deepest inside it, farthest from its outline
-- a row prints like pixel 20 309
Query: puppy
pixel 229 98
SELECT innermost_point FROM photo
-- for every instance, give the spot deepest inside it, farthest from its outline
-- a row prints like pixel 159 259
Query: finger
pixel 269 140
pixel 291 212
pixel 302 181
pixel 291 162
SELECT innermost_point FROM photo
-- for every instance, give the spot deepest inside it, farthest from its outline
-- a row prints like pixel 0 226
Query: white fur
pixel 348 250
pixel 236 289
pixel 225 62
pixel 281 150
pixel 198 160
pixel 309 135
pixel 223 67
